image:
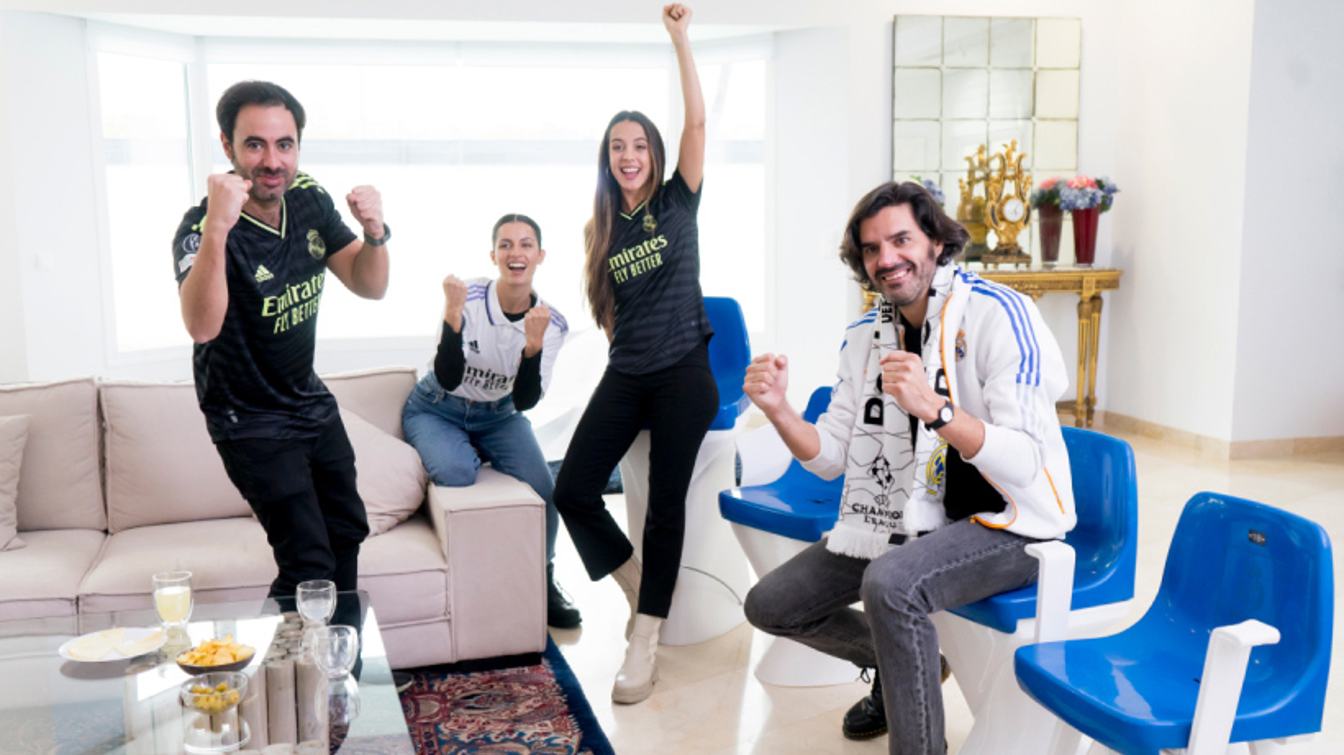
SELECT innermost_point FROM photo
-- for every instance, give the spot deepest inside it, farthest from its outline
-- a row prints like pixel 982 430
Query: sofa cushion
pixel 161 465
pixel 59 485
pixel 389 475
pixel 42 579
pixel 13 435
pixel 403 570
pixel 228 560
pixel 376 395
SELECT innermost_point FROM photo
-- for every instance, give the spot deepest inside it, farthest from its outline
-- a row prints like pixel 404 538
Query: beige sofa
pixel 119 480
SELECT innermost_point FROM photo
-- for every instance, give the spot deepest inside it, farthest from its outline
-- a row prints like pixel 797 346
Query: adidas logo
pixel 263 274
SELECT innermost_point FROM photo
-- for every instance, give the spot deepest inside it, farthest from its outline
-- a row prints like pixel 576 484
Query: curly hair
pixel 928 214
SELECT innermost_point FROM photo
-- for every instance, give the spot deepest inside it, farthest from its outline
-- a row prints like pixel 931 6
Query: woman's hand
pixel 676 17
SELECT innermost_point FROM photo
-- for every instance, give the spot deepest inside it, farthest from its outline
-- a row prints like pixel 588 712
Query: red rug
pixel 535 708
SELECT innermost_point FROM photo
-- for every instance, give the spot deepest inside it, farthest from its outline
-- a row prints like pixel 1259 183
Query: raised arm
pixel 204 293
pixel 360 265
pixel 691 157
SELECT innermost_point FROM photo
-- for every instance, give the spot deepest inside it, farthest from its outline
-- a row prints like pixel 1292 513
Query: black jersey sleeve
pixel 332 228
pixel 187 241
pixel 678 193
pixel 449 362
pixel 527 384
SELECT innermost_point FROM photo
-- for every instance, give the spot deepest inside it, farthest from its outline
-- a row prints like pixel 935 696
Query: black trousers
pixel 676 404
pixel 303 493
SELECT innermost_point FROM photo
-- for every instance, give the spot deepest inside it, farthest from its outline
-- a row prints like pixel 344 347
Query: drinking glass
pixel 172 597
pixel 316 600
pixel 335 649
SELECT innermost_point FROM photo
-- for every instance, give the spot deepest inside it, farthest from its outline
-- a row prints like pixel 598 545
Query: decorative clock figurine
pixel 1007 187
pixel 971 209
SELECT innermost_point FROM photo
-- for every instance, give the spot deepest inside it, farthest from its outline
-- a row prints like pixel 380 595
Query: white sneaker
pixel 634 682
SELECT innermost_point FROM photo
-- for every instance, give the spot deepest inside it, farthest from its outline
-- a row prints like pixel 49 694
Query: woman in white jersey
pixel 498 345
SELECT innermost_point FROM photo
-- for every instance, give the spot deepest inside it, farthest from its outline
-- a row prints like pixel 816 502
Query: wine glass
pixel 172 598
pixel 335 649
pixel 316 600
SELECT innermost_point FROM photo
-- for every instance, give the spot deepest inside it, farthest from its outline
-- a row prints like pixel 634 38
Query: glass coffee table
pixel 52 705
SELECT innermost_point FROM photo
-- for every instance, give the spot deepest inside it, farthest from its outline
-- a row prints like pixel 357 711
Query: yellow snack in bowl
pixel 215 652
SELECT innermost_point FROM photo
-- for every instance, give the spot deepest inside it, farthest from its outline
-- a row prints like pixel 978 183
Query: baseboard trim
pixel 1215 448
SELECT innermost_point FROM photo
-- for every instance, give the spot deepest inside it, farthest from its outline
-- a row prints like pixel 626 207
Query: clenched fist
pixel 454 298
pixel 226 193
pixel 676 17
pixel 904 379
pixel 366 204
pixel 534 326
pixel 767 382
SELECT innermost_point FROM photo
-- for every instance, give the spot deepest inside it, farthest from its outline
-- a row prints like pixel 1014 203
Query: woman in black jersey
pixel 642 275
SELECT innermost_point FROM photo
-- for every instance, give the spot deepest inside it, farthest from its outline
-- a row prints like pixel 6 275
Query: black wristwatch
pixel 944 416
pixel 387 234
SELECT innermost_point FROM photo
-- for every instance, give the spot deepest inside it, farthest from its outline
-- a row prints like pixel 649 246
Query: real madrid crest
pixel 317 248
pixel 935 471
pixel 961 345
pixel 650 224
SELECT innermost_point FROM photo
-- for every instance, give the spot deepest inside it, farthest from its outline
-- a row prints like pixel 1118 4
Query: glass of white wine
pixel 172 597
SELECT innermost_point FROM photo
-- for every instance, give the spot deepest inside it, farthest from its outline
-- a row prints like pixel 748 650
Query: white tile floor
pixel 707 700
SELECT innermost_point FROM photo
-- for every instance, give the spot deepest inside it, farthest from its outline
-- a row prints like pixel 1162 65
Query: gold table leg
pixel 1093 349
pixel 1084 349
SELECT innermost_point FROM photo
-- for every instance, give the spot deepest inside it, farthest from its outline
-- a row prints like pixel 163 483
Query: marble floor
pixel 707 700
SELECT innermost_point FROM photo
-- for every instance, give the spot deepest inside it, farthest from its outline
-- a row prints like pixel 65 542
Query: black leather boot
pixel 868 717
pixel 560 612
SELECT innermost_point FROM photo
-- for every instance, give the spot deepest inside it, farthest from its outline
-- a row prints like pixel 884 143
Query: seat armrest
pixel 493 538
pixel 1054 588
pixel 1220 686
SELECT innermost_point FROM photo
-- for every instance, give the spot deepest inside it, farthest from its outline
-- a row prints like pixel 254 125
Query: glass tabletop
pixel 52 705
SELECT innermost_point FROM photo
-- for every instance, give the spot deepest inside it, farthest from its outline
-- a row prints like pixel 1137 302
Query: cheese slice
pixel 131 648
pixel 96 646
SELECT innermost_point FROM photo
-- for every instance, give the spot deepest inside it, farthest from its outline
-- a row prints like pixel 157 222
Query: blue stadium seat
pixel 729 355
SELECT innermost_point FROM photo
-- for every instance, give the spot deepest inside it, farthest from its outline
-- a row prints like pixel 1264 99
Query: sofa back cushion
pixel 59 486
pixel 161 466
pixel 13 436
pixel 375 395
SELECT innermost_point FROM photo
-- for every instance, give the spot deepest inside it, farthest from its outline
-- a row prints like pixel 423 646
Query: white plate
pixel 118 650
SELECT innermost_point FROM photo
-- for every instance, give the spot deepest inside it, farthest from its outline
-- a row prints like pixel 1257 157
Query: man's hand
pixel 366 204
pixel 903 379
pixel 767 382
pixel 534 326
pixel 676 18
pixel 455 298
pixel 226 193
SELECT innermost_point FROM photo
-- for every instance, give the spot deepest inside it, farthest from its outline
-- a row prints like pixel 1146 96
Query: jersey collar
pixel 284 220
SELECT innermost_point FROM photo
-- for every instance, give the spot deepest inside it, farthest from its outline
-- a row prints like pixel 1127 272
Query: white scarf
pixel 894 487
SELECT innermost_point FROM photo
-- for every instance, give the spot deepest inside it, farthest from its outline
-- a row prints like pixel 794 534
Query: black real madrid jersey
pixel 654 264
pixel 256 379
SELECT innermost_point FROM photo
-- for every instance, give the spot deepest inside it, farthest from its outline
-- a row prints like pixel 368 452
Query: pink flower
pixel 1082 182
pixel 1049 183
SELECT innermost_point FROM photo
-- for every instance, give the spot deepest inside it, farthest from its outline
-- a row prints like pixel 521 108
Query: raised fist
pixel 455 298
pixel 534 326
pixel 226 193
pixel 676 17
pixel 366 204
pixel 767 381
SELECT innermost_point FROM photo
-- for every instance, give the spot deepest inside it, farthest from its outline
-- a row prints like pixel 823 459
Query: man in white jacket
pixel 943 422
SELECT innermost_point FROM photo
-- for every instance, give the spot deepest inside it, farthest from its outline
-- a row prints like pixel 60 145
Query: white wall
pixel 1180 152
pixel 48 217
pixel 1289 362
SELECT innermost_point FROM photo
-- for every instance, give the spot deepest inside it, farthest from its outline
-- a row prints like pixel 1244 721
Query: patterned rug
pixel 533 708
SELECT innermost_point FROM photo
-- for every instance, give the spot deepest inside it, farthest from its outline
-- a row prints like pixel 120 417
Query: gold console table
pixel 1088 283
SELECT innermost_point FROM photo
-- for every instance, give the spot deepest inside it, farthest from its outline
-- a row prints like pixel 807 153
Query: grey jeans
pixel 808 599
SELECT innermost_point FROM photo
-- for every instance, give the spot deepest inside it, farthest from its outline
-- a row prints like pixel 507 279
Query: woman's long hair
pixel 606 203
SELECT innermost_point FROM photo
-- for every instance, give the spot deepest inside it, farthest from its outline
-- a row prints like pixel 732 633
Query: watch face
pixel 945 414
pixel 1014 210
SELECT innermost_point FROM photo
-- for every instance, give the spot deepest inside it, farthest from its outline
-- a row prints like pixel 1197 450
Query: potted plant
pixel 1086 198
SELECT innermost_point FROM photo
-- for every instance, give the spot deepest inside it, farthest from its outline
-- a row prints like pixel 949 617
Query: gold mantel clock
pixel 1007 188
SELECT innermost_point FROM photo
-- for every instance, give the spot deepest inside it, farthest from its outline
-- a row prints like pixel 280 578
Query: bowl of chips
pixel 215 692
pixel 215 655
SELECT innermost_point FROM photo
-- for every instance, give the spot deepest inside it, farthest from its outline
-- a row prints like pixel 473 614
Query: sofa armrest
pixel 493 537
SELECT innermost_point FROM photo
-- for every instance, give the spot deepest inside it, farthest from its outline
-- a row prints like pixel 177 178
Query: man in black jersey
pixel 251 263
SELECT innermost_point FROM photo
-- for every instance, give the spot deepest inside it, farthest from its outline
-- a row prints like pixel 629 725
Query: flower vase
pixel 1052 220
pixel 1085 235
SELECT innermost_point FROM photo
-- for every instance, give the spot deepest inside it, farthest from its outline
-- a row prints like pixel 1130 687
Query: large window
pixel 453 135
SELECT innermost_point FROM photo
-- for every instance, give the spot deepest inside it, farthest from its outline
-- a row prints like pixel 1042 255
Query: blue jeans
pixel 454 435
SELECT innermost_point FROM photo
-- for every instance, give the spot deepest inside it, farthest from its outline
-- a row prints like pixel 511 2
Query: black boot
pixel 868 717
pixel 560 613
